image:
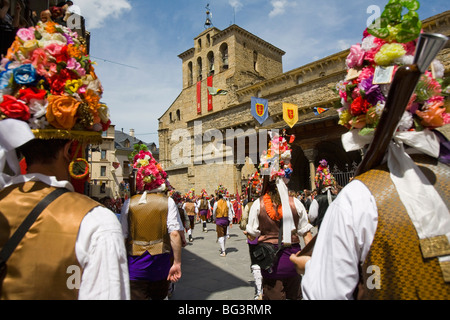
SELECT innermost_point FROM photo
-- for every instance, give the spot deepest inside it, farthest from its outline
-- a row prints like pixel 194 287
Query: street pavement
pixel 208 276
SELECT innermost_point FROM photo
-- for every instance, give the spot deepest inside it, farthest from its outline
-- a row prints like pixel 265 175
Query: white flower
pixel 36 123
pixel 406 122
pixel 439 69
pixel 38 108
pixel 379 108
pixel 404 60
pixel 368 43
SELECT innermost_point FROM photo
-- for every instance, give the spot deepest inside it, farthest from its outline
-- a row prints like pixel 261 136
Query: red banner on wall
pixel 210 84
pixel 199 97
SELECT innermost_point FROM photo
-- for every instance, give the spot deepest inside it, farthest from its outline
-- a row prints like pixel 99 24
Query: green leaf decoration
pixel 365 131
pixel 391 20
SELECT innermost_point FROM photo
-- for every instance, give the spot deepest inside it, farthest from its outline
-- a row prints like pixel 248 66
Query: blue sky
pixel 136 43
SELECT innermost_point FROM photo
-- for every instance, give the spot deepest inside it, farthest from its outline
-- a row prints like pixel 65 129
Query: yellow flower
pixel 143 162
pixel 74 85
pixel 388 53
pixel 29 46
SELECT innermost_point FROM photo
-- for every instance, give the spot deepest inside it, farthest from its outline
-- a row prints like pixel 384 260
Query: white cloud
pixel 97 11
pixel 236 4
pixel 279 7
pixel 344 44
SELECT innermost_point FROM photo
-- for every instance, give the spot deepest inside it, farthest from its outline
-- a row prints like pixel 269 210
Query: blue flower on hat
pixel 5 77
pixel 25 74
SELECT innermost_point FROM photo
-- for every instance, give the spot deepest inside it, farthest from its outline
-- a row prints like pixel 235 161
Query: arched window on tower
pixel 178 115
pixel 190 75
pixel 199 69
pixel 210 63
pixel 255 61
pixel 224 55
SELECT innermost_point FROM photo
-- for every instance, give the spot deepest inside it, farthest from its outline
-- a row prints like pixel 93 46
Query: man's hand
pixel 174 273
pixel 299 262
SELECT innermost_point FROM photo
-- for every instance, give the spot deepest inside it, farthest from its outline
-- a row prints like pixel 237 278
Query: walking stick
pixel 402 88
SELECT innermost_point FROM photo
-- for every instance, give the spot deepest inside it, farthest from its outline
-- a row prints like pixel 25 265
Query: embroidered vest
pixel 203 204
pixel 189 207
pixel 44 265
pixel 270 228
pixel 222 209
pixel 395 267
pixel 148 226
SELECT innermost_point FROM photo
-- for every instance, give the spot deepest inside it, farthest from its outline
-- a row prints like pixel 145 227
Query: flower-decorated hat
pixel 150 175
pixel 387 44
pixel 323 177
pixel 48 81
pixel 275 161
pixel 221 190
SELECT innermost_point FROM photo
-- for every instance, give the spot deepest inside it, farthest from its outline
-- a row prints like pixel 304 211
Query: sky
pixel 136 43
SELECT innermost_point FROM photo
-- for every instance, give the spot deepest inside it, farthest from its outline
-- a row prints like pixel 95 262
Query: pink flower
pixel 356 57
pixel 446 117
pixel 38 57
pixel 73 64
pixel 54 49
pixel 26 34
pixel 366 73
pixel 410 48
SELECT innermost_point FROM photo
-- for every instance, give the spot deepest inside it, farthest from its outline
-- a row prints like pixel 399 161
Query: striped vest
pixel 395 253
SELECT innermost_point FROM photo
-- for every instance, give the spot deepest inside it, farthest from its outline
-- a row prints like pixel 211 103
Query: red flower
pixel 359 106
pixel 14 108
pixel 31 93
pixel 58 81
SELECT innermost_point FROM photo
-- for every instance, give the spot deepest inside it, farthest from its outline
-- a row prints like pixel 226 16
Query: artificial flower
pixel 28 47
pixel 31 93
pixel 5 78
pixel 25 34
pixel 388 53
pixel 61 111
pixel 392 45
pixel 14 108
pixel 25 74
pixel 73 85
pixel 432 116
pixel 356 57
pixel 359 106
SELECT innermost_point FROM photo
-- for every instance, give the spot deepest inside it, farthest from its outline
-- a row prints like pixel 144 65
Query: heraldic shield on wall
pixel 290 114
pixel 260 109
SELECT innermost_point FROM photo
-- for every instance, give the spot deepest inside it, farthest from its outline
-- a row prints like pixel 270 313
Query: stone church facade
pixel 206 140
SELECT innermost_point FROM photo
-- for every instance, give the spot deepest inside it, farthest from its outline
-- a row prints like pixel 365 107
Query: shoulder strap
pixel 12 243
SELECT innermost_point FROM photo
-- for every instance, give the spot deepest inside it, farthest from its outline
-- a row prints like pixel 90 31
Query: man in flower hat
pixel 278 220
pixel 388 230
pixel 151 226
pixel 191 211
pixel 203 207
pixel 56 243
pixel 325 184
pixel 223 217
